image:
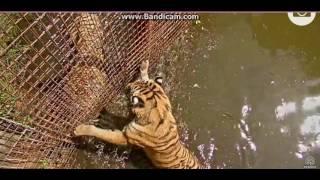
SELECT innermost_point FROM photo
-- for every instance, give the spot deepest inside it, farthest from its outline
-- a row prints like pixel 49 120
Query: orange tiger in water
pixel 154 128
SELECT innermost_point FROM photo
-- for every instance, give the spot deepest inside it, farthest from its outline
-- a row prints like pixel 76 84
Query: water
pixel 246 90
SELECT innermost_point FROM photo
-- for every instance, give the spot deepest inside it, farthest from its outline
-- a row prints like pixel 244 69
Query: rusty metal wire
pixel 58 70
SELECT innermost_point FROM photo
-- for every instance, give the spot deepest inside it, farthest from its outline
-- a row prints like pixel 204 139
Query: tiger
pixel 154 128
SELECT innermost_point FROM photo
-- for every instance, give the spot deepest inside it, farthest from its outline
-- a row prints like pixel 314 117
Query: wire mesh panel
pixel 58 70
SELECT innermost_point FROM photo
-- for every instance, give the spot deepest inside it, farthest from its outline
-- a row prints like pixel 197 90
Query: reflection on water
pixel 268 69
pixel 311 125
pixel 246 148
pixel 207 153
pixel 309 129
pixel 311 103
pixel 285 109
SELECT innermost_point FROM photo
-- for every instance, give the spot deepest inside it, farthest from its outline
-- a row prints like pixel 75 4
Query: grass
pixel 8 106
pixel 8 33
pixel 7 101
pixel 44 164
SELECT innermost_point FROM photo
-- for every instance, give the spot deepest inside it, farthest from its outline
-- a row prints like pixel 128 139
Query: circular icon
pixel 302 13
pixel 301 18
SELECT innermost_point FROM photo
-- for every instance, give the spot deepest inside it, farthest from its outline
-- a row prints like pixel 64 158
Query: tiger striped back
pixel 155 129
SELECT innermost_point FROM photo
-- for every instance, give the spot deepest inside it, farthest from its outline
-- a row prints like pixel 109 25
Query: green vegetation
pixel 44 164
pixel 9 31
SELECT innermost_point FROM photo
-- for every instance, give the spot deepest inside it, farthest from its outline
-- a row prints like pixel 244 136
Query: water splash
pixel 283 110
pixel 311 103
pixel 207 152
pixel 246 148
pixel 310 132
pixel 310 125
pixel 309 128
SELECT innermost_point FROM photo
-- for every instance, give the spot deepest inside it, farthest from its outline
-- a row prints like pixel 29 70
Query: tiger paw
pixel 83 130
pixel 144 66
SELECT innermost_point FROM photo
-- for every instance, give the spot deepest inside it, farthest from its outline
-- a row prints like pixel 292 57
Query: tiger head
pixel 148 100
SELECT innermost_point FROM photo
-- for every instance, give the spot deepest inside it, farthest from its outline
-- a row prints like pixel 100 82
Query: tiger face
pixel 148 100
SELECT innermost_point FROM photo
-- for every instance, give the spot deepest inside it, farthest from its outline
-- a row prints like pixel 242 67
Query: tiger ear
pixel 159 80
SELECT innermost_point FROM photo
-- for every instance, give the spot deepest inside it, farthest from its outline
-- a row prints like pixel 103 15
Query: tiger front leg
pixel 111 136
pixel 144 70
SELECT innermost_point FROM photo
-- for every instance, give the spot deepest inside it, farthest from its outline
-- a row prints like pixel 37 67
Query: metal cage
pixel 58 70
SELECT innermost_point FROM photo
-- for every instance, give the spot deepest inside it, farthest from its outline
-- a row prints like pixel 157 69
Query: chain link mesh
pixel 58 70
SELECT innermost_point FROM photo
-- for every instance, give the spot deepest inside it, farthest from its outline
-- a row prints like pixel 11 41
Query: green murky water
pixel 247 89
